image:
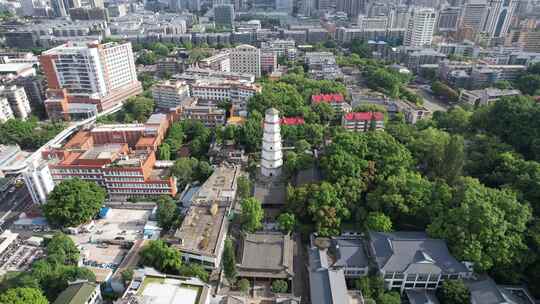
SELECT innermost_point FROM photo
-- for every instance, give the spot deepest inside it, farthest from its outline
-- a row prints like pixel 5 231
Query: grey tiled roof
pixel 421 296
pixel 266 255
pixel 412 252
pixel 486 291
pixel 350 252
pixel 327 285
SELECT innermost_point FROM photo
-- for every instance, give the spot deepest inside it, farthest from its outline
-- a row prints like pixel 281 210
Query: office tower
pixel 398 18
pixel 175 5
pixel 271 156
pixel 246 59
pixel 378 9
pixel 86 78
pixel 326 5
pixel 17 99
pixel 59 8
pixel 306 7
pixel 27 7
pixel 474 14
pixel 284 6
pixel 420 28
pixel 448 19
pixel 353 8
pixel 499 17
pixel 372 23
pixel 224 15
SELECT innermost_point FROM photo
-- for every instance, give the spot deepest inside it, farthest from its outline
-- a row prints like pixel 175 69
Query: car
pixel 120 238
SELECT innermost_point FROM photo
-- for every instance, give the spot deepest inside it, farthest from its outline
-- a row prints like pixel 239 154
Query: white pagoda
pixel 272 156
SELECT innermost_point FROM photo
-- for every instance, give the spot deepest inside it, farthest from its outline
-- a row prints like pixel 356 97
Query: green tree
pixel 165 151
pixel 482 225
pixel 378 221
pixel 252 214
pixel 405 197
pixel 160 49
pixel 243 286
pixel 286 222
pixel 73 202
pixel 280 286
pixel 127 275
pixel 455 120
pixel 243 186
pixel 138 108
pixel 62 250
pixel 166 212
pixel 502 85
pixel 442 90
pixel 453 292
pixel 528 84
pixel 229 261
pixel 23 295
pixel 392 297
pixel 159 255
pixel 325 112
pixel 194 270
pixel 147 58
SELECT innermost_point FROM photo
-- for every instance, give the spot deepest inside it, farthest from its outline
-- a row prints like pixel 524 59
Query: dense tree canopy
pixel 73 202
pixel 482 225
pixel 159 255
pixel 453 292
pixel 166 212
pixel 252 214
pixel 62 250
pixel 23 295
pixel 28 134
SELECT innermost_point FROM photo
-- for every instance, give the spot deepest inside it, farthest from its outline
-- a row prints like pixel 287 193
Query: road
pixel 430 102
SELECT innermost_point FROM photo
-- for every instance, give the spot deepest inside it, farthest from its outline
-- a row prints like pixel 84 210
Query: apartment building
pixel 88 75
pixel 363 121
pixel 420 27
pixel 219 62
pixel 18 101
pixel 282 48
pixel 237 92
pixel 170 94
pixel 246 59
pixel 5 110
pixel 268 62
pixel 192 75
pixel 335 100
pixel 121 158
pixel 322 65
pixel 204 111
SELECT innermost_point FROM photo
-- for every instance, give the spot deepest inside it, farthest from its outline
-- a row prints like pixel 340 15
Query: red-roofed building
pixel 292 121
pixel 363 121
pixel 335 100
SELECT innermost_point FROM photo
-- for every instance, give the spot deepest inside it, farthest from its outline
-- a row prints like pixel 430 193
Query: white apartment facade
pixel 170 94
pixel 18 101
pixel 5 110
pixel 92 74
pixel 246 59
pixel 420 27
pixel 220 62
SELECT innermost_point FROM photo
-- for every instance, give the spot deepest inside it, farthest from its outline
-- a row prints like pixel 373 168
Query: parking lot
pixel 101 247
pixel 19 256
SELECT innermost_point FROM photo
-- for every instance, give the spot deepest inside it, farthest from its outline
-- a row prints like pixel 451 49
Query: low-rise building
pixel 363 121
pixel 485 96
pixel 201 237
pixel 206 112
pixel 337 101
pixel 412 260
pixel 266 256
pixel 80 292
pixel 219 62
pixel 5 110
pixel 322 65
pixel 121 158
pixel 235 91
pixel 170 94
pixel 268 62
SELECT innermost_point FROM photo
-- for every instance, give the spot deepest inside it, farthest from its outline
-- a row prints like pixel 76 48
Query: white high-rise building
pixel 246 59
pixel 420 28
pixel 272 156
pixel 88 77
pixel 398 17
pixel 499 17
